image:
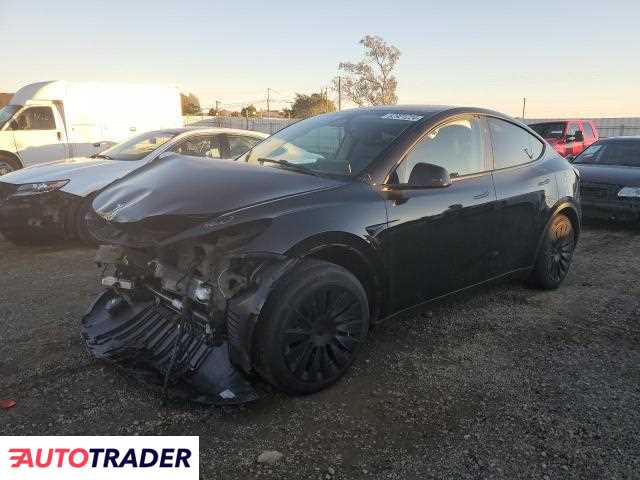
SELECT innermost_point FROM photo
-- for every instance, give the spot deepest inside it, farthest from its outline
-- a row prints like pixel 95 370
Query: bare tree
pixel 371 80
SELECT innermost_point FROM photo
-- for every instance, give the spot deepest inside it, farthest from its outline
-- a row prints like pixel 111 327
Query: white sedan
pixel 54 200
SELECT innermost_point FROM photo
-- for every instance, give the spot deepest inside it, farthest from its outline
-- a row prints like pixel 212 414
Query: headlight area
pixel 186 312
pixel 27 189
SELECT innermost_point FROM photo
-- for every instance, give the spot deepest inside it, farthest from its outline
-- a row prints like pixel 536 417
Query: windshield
pixel 336 144
pixel 624 153
pixel 549 130
pixel 7 112
pixel 138 147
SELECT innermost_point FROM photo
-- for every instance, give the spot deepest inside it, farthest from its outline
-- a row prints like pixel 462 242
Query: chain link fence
pixel 265 125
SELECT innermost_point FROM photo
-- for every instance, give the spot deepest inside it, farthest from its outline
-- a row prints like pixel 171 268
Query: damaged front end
pixel 184 313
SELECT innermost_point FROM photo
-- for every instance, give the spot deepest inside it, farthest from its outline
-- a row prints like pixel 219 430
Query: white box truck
pixel 55 120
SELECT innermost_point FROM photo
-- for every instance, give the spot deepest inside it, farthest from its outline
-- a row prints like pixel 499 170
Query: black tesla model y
pixel 277 264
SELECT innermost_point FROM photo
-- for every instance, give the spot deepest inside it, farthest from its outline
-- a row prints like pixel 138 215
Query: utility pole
pixel 217 107
pixel 524 107
pixel 339 93
pixel 268 100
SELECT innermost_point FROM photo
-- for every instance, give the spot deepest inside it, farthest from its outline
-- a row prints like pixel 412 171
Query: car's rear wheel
pixel 311 328
pixel 556 253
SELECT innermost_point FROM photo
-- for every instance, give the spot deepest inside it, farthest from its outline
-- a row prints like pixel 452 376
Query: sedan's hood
pixel 85 175
pixel 180 186
pixel 611 174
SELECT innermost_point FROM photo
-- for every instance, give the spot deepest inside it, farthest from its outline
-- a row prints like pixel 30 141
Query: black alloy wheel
pixel 556 253
pixel 312 327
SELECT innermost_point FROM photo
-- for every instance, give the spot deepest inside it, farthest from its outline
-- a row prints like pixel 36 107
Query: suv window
pixel 200 146
pixel 239 145
pixel 36 118
pixel 587 131
pixel 512 145
pixel 456 146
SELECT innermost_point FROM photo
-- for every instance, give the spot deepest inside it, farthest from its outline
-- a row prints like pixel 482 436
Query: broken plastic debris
pixel 7 404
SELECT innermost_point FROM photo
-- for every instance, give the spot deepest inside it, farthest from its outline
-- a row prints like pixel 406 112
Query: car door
pixel 526 189
pixel 439 240
pixel 39 135
pixel 201 145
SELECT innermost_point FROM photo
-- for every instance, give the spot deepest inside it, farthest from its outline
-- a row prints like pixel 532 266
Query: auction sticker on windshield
pixel 99 458
pixel 403 116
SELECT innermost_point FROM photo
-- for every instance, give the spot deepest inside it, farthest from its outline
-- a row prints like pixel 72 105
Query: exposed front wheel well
pixel 351 260
pixel 570 213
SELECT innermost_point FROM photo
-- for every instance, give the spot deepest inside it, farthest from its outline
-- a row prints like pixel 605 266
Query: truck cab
pixel 49 121
pixel 568 137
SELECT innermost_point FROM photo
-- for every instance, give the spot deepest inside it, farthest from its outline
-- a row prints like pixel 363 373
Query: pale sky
pixel 569 58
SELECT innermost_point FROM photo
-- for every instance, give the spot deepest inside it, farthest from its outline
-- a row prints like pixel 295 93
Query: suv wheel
pixel 311 328
pixel 556 253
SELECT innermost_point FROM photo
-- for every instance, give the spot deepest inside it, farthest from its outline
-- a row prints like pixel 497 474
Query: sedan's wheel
pixel 312 327
pixel 5 167
pixel 80 219
pixel 555 254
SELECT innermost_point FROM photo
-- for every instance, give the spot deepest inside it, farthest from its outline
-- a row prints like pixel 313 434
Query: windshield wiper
pixel 101 155
pixel 287 164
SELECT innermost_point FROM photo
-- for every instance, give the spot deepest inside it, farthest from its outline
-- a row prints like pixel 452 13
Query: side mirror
pixel 570 138
pixel 427 175
pixel 13 125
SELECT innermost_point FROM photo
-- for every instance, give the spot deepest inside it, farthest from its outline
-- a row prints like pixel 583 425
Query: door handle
pixel 544 182
pixel 481 195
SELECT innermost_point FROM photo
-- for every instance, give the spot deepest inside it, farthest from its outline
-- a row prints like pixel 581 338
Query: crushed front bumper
pixel 151 338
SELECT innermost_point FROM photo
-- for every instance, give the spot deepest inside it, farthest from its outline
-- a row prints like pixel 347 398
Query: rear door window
pixel 239 144
pixel 200 146
pixel 512 145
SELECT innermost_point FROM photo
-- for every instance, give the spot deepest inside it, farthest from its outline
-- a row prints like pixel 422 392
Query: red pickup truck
pixel 568 137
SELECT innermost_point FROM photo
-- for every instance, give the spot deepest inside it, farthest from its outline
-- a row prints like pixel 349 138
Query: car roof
pixel 218 130
pixel 427 111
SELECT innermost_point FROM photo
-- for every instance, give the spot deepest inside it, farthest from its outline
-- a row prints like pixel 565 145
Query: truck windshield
pixel 549 130
pixel 138 147
pixel 342 144
pixel 7 112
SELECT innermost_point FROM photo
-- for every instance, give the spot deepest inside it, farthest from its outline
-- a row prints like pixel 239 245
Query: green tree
pixel 306 106
pixel 190 104
pixel 371 80
pixel 249 111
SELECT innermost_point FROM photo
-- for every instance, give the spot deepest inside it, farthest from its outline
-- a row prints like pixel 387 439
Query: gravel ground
pixel 504 382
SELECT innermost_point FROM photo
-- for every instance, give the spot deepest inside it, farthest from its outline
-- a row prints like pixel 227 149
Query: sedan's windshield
pixel 334 144
pixel 7 112
pixel 549 130
pixel 623 152
pixel 138 147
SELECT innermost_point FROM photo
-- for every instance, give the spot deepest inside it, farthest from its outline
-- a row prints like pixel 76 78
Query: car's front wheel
pixel 7 165
pixel 556 253
pixel 311 328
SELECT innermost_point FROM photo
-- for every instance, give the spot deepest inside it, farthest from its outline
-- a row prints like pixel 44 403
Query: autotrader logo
pixel 71 458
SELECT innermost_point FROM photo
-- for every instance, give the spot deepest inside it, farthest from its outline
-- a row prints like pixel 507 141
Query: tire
pixel 556 253
pixel 8 164
pixel 78 223
pixel 311 328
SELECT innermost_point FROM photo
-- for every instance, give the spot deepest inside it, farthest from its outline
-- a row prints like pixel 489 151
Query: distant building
pixel 4 98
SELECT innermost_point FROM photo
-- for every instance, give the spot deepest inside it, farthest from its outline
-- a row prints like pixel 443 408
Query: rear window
pixel 549 130
pixel 624 153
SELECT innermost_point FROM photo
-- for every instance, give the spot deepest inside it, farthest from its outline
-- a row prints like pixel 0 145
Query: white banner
pixel 98 458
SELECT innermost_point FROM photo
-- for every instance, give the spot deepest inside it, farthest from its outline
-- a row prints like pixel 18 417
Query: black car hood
pixel 610 174
pixel 179 186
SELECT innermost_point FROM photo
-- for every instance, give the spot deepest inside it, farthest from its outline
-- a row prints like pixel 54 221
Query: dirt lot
pixel 505 382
